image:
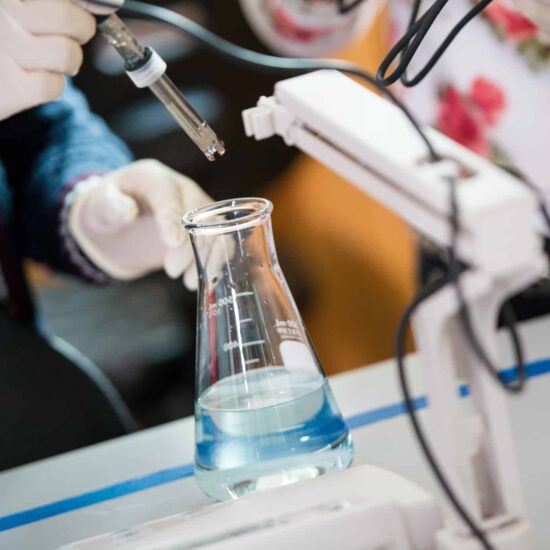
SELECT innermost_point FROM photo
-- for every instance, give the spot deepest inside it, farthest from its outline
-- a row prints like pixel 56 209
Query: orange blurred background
pixel 357 257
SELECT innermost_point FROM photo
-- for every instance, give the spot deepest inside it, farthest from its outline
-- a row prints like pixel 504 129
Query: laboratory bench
pixel 149 474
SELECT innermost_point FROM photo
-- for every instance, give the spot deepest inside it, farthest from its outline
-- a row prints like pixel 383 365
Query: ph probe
pixel 147 69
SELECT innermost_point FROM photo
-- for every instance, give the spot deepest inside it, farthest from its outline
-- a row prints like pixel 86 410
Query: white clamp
pixel 267 119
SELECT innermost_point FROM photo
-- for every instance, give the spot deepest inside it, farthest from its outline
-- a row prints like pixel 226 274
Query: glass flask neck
pixel 229 237
pixel 227 216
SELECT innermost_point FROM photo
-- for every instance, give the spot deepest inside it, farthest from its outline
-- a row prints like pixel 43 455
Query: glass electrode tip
pixel 189 120
pixel 148 70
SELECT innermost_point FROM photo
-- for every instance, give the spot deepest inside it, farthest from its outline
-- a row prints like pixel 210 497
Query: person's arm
pixel 127 221
pixel 46 151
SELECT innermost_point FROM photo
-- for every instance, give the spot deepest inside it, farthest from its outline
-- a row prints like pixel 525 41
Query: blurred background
pixel 350 279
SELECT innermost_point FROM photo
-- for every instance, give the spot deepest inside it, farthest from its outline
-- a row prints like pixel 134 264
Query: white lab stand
pixel 369 142
pixel 155 463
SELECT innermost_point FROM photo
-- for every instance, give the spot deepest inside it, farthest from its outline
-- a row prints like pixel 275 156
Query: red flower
pixel 458 119
pixel 512 23
pixel 489 99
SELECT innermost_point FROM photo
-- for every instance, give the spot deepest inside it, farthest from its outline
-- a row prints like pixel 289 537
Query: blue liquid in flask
pixel 267 427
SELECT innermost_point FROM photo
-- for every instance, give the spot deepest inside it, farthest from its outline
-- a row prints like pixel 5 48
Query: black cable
pixel 235 53
pixel 453 277
pixel 455 270
pixel 540 198
pixel 477 9
pixel 400 349
pixel 408 44
pixel 415 9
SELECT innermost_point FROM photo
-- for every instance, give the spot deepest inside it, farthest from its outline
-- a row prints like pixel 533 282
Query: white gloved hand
pixel 39 43
pixel 128 222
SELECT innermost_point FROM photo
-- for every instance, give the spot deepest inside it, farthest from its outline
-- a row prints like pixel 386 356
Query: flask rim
pixel 208 219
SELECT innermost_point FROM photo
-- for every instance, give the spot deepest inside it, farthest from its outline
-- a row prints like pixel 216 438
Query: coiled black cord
pixel 417 29
pixel 407 46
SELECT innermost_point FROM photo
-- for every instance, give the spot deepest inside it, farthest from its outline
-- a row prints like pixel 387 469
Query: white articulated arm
pixel 371 143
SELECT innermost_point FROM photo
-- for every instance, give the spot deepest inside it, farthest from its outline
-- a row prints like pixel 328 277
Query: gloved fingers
pixel 42 87
pixel 190 273
pixel 168 218
pixel 55 17
pixel 215 253
pixel 165 202
pixel 181 261
pixel 192 196
pixel 34 88
pixel 57 54
pixel 153 185
pixel 191 279
pixel 178 261
pixel 111 208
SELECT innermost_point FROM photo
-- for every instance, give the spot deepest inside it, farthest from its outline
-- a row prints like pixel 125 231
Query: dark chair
pixel 52 399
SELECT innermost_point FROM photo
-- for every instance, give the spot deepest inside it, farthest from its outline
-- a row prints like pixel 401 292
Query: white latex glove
pixel 39 43
pixel 128 222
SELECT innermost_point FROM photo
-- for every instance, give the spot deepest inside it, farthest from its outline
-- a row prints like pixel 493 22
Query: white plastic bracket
pixel 267 119
pixel 369 142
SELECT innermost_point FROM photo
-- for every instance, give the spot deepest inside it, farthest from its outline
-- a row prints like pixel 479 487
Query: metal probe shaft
pixel 136 58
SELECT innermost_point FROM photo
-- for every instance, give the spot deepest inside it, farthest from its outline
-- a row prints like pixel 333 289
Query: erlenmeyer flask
pixel 265 415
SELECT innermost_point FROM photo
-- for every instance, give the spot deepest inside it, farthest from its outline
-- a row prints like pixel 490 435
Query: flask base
pixel 226 484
